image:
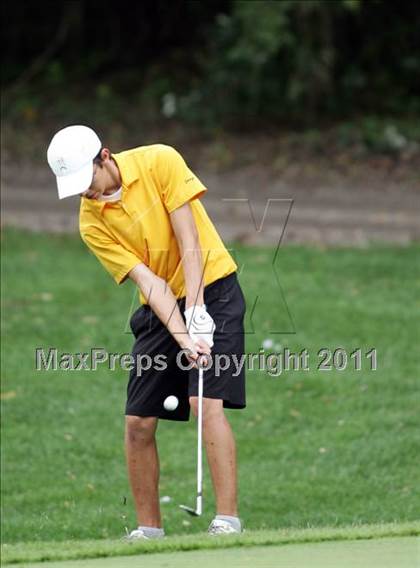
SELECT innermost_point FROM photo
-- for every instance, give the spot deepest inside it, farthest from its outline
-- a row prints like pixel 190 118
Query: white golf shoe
pixel 219 526
pixel 144 534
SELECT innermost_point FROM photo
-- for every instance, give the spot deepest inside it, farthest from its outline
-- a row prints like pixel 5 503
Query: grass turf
pixel 316 448
pixel 383 553
pixel 76 550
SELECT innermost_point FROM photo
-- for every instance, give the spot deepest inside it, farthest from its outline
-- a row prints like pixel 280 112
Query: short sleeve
pixel 116 259
pixel 178 183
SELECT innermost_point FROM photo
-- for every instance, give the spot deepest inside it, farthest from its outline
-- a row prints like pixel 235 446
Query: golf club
pixel 199 502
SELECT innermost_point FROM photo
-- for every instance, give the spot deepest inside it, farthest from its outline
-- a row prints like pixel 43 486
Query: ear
pixel 105 154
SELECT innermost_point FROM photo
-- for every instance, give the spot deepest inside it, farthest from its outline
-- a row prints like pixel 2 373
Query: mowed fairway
pixel 382 553
pixel 316 448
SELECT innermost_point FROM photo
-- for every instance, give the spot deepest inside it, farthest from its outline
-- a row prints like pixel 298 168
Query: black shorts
pixel 158 374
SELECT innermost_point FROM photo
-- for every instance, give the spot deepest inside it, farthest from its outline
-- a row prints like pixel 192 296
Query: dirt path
pixel 251 205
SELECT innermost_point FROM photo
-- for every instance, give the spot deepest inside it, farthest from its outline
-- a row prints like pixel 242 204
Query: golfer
pixel 141 216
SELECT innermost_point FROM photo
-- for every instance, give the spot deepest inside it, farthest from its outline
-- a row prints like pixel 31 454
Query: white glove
pixel 200 324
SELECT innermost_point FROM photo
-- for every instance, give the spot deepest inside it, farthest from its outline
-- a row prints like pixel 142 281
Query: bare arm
pixel 185 230
pixel 163 302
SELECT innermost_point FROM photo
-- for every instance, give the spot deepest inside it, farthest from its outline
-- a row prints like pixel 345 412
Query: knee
pixel 140 428
pixel 212 408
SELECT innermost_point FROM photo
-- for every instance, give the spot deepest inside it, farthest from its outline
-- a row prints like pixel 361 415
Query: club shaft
pixel 200 442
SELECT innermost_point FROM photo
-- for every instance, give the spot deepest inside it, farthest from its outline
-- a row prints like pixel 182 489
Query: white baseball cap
pixel 70 156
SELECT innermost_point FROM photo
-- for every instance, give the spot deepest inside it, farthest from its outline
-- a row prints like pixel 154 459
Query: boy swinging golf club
pixel 141 215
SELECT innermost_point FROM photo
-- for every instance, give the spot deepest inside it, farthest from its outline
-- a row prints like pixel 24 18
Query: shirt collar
pixel 128 174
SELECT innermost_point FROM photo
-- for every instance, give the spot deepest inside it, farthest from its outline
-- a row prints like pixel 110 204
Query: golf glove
pixel 200 324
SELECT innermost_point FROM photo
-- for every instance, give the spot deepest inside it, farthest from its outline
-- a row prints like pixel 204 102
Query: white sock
pixel 152 531
pixel 234 521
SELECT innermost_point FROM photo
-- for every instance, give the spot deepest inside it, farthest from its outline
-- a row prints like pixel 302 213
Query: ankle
pixel 155 523
pixel 227 513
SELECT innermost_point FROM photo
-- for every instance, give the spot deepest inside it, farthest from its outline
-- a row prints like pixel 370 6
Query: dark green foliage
pixel 237 63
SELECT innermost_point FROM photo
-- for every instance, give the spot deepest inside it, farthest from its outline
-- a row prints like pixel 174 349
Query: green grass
pixel 375 553
pixel 73 550
pixel 315 448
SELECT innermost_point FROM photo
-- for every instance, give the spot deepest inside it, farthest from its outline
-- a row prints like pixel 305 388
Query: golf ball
pixel 170 403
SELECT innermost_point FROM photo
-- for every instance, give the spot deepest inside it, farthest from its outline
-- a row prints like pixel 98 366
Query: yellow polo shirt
pixel 137 229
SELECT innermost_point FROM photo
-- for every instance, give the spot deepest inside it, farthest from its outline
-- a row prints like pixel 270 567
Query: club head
pixel 190 511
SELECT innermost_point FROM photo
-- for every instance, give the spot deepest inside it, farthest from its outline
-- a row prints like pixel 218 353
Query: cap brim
pixel 76 183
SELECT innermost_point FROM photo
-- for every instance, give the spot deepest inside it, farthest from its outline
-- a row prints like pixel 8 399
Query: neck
pixel 114 174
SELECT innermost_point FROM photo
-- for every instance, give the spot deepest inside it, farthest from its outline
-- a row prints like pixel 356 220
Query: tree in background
pixel 226 62
pixel 302 59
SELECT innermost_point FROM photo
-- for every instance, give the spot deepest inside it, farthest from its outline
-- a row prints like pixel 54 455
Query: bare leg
pixel 221 454
pixel 143 468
